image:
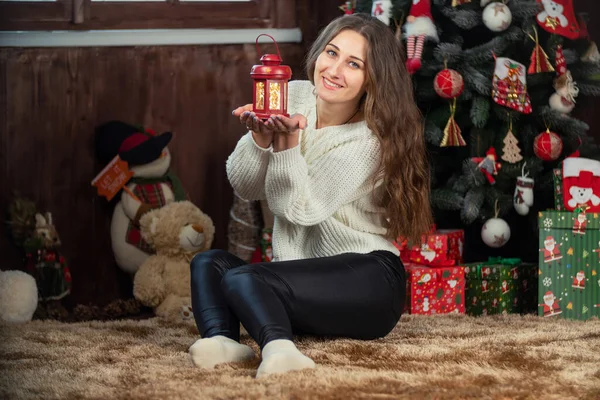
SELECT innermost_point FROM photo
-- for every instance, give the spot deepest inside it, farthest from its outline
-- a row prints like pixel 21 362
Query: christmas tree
pixel 496 82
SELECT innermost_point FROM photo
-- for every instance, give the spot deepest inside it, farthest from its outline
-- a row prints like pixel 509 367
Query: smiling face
pixel 340 71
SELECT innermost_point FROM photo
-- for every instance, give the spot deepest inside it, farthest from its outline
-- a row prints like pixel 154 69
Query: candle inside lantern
pixel 270 84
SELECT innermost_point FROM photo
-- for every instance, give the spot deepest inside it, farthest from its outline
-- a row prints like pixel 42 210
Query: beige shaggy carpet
pixel 442 357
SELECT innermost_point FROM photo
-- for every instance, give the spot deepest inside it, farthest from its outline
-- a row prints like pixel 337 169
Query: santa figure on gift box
pixel 515 273
pixel 485 272
pixel 551 307
pixel 474 300
pixel 579 281
pixel 580 224
pixel 495 303
pixel 597 250
pixel 505 287
pixel 551 252
pixel 484 286
pixel 515 301
pixel 427 252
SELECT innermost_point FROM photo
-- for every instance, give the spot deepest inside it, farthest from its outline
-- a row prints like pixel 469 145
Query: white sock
pixel 280 356
pixel 208 352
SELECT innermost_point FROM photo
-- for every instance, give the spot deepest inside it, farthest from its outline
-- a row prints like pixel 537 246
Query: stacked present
pixel 500 286
pixel 569 243
pixel 435 280
pixel 441 247
pixel 569 283
pixel 434 290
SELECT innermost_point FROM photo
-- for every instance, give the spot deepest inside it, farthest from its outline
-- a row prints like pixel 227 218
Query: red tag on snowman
pixel 581 183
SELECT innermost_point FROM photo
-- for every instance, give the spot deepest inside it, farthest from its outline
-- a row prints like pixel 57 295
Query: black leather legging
pixel 359 296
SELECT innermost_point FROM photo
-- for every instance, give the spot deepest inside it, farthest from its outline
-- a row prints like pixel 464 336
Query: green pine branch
pixel 480 111
pixel 472 205
pixel 446 199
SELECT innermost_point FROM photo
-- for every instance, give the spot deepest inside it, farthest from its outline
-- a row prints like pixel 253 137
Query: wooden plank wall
pixel 58 96
pixel 51 100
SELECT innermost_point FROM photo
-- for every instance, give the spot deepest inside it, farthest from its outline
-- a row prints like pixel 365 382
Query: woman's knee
pixel 235 280
pixel 209 260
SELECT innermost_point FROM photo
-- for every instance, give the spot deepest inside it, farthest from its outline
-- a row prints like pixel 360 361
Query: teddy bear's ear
pixel 154 225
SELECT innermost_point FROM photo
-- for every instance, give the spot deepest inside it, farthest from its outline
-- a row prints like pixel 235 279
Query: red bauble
pixel 448 83
pixel 547 146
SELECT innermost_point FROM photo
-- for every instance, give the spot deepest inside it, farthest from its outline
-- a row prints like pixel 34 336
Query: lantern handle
pixel 258 49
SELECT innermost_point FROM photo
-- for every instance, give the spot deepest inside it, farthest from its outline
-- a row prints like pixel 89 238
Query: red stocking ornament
pixel 509 85
pixel 558 17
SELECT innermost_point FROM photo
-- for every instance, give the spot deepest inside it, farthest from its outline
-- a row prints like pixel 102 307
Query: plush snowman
pixel 153 185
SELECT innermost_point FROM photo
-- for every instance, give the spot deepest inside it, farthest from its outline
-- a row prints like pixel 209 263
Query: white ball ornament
pixel 497 17
pixel 495 232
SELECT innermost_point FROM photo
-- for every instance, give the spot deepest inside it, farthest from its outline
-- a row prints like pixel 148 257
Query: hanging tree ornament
pixel 418 27
pixel 382 10
pixel 547 145
pixel 591 55
pixel 511 152
pixel 452 133
pixel 539 58
pixel 497 17
pixel 348 7
pixel 563 100
pixel 523 196
pixel 456 3
pixel 448 83
pixel 488 165
pixel 509 85
pixel 495 232
pixel 558 17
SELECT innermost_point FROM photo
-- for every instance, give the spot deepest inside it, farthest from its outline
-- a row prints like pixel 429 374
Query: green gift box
pixel 500 285
pixel 569 262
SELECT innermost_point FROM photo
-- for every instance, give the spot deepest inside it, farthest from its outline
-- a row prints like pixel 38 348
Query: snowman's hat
pixel 133 144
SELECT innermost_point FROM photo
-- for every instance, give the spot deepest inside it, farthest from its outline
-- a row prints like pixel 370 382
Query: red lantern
pixel 547 145
pixel 270 84
pixel 448 83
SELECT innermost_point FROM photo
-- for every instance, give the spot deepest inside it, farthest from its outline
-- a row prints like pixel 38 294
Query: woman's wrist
pixel 285 141
pixel 264 141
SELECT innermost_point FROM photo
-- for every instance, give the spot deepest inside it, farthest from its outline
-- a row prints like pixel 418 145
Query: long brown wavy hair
pixel 392 115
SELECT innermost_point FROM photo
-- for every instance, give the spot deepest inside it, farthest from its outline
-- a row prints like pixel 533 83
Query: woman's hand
pixel 261 134
pixel 286 130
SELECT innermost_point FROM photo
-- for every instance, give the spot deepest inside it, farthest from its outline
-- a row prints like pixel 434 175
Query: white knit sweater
pixel 320 191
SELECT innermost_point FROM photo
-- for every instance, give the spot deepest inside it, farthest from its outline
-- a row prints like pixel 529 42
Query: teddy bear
pixel 553 10
pixel 153 184
pixel 178 231
pixel 18 296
